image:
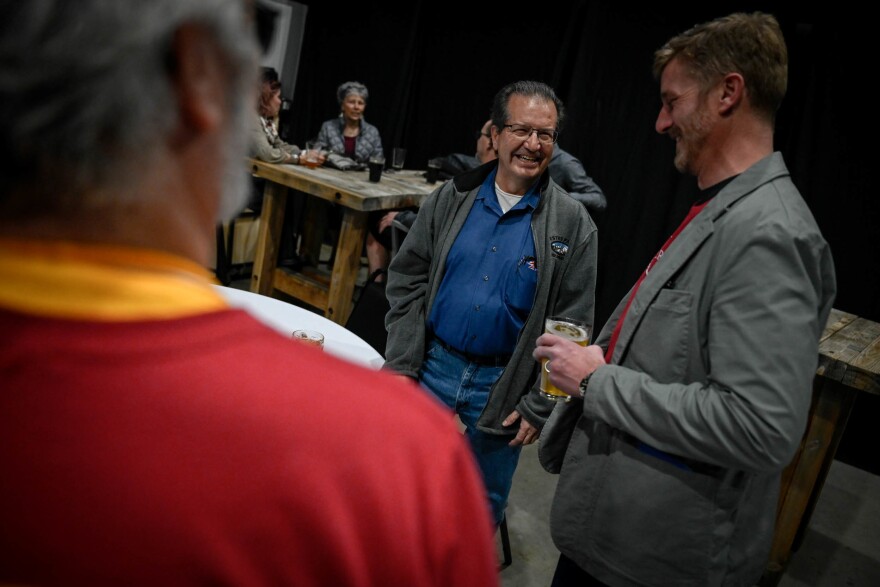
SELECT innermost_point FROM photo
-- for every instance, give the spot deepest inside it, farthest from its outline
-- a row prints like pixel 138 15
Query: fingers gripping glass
pixel 547 136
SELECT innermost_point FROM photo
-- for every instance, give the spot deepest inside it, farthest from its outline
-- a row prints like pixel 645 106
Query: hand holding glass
pixel 576 331
pixel 313 156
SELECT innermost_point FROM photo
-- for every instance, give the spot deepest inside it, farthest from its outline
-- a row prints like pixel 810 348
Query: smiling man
pixel 696 393
pixel 490 254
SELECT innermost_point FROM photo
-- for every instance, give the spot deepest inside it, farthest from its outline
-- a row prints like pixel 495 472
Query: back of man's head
pixel 87 97
pixel 749 44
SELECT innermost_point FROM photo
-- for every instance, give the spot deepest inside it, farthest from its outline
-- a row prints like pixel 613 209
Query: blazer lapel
pixel 686 245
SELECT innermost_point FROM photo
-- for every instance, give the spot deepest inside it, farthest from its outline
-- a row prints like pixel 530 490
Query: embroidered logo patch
pixel 559 247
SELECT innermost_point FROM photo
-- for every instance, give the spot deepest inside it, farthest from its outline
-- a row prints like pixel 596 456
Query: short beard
pixel 693 138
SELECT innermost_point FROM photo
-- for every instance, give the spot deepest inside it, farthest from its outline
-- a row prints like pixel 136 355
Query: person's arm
pixel 280 152
pixel 407 289
pixel 374 140
pixel 456 163
pixel 323 140
pixel 569 173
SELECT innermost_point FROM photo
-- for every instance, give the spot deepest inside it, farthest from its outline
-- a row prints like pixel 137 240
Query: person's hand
pixel 569 362
pixel 527 433
pixel 385 222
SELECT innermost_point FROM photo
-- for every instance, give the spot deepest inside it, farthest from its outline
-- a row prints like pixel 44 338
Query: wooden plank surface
pixel 849 352
pixel 351 189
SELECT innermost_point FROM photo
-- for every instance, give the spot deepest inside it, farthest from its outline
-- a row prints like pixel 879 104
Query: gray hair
pixel 347 88
pixel 86 91
pixel 500 112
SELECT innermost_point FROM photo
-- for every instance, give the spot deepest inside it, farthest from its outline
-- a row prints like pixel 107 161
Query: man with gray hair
pixel 151 434
pixel 696 394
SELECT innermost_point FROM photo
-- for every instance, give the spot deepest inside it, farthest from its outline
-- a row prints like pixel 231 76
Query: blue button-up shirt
pixel 491 275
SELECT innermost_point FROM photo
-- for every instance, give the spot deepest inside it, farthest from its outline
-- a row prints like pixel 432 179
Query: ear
pixel 199 78
pixel 732 92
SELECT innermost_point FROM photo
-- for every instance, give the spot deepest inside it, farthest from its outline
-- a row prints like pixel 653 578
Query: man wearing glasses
pixel 565 169
pixel 491 253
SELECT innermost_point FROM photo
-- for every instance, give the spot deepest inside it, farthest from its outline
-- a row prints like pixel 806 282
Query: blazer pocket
pixel 660 346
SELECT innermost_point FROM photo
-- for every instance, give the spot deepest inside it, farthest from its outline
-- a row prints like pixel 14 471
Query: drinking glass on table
pixel 311 337
pixel 398 156
pixel 571 329
pixel 313 156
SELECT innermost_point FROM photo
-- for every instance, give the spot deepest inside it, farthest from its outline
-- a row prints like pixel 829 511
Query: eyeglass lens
pixel 524 132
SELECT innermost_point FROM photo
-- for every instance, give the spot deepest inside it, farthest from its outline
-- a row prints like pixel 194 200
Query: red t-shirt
pixel 209 450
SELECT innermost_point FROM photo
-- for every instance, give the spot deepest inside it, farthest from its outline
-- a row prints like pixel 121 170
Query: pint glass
pixel 575 331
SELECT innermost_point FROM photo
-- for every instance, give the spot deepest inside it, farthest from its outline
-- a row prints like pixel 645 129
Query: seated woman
pixel 266 145
pixel 350 135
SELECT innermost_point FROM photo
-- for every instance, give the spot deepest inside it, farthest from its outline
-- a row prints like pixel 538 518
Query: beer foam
pixel 568 330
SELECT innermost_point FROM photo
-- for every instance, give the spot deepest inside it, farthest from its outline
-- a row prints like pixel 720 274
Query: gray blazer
pixel 565 247
pixel 670 466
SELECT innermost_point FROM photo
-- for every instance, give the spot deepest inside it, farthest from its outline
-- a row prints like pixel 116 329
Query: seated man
pixel 151 434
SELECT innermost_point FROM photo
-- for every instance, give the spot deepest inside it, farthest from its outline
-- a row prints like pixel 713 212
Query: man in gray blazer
pixel 696 393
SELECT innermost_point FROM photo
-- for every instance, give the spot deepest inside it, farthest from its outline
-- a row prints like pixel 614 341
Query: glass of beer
pixel 575 331
pixel 311 156
pixel 312 337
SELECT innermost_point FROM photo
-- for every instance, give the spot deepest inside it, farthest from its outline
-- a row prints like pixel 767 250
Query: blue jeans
pixel 464 387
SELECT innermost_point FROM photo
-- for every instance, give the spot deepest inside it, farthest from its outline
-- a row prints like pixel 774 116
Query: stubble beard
pixel 693 134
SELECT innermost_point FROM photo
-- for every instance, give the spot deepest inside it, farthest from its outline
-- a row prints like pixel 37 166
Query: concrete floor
pixel 841 547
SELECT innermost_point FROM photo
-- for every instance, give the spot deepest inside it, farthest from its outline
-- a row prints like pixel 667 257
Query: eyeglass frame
pixel 554 134
pixel 480 133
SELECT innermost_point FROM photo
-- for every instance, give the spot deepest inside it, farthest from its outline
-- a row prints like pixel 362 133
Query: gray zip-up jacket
pixel 565 247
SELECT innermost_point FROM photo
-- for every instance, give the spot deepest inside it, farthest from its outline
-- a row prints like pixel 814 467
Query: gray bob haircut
pixel 86 90
pixel 347 88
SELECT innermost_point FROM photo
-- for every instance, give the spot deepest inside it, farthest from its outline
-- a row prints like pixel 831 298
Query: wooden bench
pixel 849 364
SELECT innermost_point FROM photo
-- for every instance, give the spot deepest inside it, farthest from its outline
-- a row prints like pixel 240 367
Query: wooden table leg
pixel 268 238
pixel 346 265
pixel 316 213
pixel 803 479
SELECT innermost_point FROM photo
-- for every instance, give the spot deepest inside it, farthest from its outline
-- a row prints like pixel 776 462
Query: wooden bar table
pixel 849 364
pixel 357 195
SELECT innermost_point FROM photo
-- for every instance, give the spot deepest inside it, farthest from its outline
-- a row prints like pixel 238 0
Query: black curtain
pixel 432 69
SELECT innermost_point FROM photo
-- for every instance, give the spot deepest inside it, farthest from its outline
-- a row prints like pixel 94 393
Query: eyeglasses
pixel 546 136
pixel 480 133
